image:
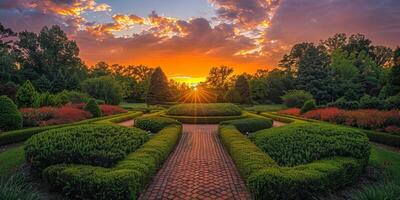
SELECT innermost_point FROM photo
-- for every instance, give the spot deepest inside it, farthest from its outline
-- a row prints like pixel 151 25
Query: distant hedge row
pixel 204 119
pixel 249 125
pixel 205 109
pixel 123 181
pixel 24 134
pixel 314 170
pixel 154 124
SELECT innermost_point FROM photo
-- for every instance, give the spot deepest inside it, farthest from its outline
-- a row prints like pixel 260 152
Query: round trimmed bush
pixel 154 124
pixel 10 118
pixel 249 125
pixel 93 108
pixel 205 109
pixel 303 143
pixel 98 145
pixel 308 105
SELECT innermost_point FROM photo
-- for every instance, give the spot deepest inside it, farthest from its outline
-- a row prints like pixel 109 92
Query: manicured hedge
pixel 204 120
pixel 24 134
pixel 124 181
pixel 154 124
pixel 205 109
pixel 267 180
pixel 303 143
pixel 99 145
pixel 250 125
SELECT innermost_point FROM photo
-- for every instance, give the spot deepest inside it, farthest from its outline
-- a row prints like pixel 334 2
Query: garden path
pixel 199 168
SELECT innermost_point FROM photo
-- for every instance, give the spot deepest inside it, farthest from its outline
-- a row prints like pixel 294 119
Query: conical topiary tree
pixel 10 118
pixel 26 95
pixel 243 87
pixel 93 108
pixel 158 89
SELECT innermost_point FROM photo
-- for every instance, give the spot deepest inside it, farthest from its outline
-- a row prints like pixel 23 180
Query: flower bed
pixel 388 121
pixel 69 113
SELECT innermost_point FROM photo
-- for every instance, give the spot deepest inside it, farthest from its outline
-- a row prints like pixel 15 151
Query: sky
pixel 188 37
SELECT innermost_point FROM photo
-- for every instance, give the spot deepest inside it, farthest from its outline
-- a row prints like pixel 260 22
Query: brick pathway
pixel 199 168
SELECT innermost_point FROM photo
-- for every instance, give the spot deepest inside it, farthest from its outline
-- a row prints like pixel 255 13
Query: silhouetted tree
pixel 158 89
pixel 243 88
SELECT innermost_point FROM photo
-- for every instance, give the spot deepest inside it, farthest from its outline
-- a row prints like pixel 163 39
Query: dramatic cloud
pixel 245 34
pixel 247 13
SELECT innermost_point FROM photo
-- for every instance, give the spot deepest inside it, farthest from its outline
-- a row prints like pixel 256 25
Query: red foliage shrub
pixel 111 110
pixel 291 111
pixel 66 114
pixel 76 105
pixel 367 118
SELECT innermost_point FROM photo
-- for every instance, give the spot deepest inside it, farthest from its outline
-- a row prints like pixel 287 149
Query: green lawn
pixel 10 160
pixel 265 108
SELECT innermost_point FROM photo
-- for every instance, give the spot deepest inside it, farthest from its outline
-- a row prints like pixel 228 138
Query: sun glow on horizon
pixel 191 81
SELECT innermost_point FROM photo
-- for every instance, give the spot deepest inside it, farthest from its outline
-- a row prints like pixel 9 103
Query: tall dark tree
pixel 158 89
pixel 219 80
pixel 394 77
pixel 243 88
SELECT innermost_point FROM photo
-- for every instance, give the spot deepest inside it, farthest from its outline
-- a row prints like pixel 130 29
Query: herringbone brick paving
pixel 199 168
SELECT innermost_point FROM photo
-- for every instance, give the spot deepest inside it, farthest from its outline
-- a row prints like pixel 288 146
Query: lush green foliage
pixel 233 96
pixel 265 108
pixel 105 88
pixel 154 124
pixel 10 118
pixel 24 134
pixel 250 125
pixel 343 103
pixel 72 97
pixel 296 98
pixel 47 99
pixel 93 108
pixel 124 181
pixel 303 143
pixel 243 88
pixel 308 105
pixel 15 187
pixel 10 160
pixel 158 91
pixel 266 180
pixel 204 109
pixel 99 145
pixel 26 95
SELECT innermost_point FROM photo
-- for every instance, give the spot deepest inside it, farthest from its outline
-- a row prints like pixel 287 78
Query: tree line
pixel 341 69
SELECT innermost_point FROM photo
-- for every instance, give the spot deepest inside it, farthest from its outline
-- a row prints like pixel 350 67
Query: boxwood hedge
pixel 154 124
pixel 204 119
pixel 205 109
pixel 250 125
pixel 99 145
pixel 123 181
pixel 266 179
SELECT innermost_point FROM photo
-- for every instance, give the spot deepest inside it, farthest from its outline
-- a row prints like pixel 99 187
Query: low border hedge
pixel 24 134
pixel 204 120
pixel 266 180
pixel 250 124
pixel 124 181
pixel 204 109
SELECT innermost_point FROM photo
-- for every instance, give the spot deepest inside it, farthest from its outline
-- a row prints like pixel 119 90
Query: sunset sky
pixel 188 37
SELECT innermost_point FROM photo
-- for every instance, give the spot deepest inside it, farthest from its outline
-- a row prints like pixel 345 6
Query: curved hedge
pixel 250 125
pixel 267 180
pixel 154 124
pixel 124 181
pixel 204 119
pixel 99 145
pixel 205 109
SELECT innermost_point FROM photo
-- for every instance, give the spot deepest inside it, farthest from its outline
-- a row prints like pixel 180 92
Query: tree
pixel 233 96
pixel 26 95
pixel 105 88
pixel 42 84
pixel 100 69
pixel 218 79
pixel 382 55
pixel 394 76
pixel 10 118
pixel 93 108
pixel 243 88
pixel 158 89
pixel 338 41
pixel 296 98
